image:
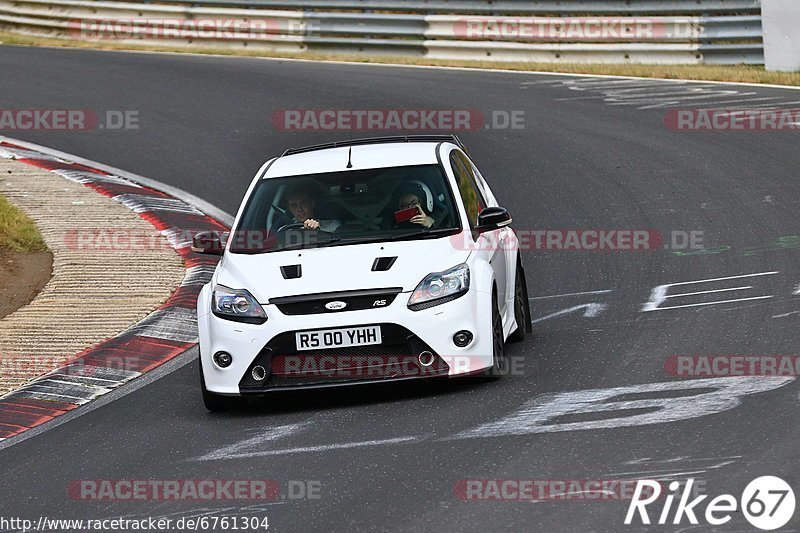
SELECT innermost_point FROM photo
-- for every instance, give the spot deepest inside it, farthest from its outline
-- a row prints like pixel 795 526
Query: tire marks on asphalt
pixel 259 442
pixel 581 410
pixel 632 405
pixel 658 94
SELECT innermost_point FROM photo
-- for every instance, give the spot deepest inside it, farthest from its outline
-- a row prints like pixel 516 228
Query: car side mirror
pixel 207 242
pixel 492 218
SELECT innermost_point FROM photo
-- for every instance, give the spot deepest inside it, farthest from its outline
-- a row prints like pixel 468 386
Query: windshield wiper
pixel 423 234
pixel 316 244
pixel 404 236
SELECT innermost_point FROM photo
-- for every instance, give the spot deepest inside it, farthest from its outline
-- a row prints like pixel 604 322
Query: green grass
pixel 734 73
pixel 17 232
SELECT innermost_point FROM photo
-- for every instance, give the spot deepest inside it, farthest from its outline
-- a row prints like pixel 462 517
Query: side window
pixel 482 186
pixel 473 200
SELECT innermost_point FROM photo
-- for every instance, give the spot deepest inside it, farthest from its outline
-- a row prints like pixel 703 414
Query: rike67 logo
pixel 767 503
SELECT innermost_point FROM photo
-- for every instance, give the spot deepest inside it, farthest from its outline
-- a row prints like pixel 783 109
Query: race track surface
pixel 594 153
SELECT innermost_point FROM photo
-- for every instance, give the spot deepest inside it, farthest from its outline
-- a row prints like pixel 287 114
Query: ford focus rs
pixel 360 262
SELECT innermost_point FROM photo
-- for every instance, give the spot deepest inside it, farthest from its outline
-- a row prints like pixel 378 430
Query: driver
pixel 301 204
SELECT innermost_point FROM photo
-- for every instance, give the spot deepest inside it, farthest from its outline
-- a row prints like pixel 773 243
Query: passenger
pixel 413 196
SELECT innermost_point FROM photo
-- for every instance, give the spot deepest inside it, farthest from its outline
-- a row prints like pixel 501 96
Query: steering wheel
pixel 287 227
pixel 299 225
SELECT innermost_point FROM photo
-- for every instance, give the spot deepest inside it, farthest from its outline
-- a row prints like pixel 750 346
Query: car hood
pixel 338 268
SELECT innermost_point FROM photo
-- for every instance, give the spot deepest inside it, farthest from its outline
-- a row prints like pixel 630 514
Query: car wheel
pixel 217 402
pixel 521 310
pixel 498 344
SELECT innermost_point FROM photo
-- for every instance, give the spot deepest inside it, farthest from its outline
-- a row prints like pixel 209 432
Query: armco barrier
pixel 567 31
pixel 515 7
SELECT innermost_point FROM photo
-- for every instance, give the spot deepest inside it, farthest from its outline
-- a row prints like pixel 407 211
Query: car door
pixel 475 201
pixel 508 239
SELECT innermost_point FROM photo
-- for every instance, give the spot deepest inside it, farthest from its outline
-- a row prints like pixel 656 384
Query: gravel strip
pixel 95 292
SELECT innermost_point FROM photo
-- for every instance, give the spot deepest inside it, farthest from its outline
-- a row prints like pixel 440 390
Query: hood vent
pixel 291 271
pixel 382 264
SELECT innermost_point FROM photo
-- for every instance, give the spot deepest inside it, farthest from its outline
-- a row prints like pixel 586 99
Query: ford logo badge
pixel 335 306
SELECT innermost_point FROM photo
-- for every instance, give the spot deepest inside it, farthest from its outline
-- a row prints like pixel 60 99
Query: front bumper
pixel 405 333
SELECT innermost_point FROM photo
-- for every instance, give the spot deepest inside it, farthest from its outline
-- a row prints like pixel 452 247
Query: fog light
pixel 258 373
pixel 426 358
pixel 462 338
pixel 223 359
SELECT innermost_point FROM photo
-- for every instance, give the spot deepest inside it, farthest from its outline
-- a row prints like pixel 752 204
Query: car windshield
pixel 349 207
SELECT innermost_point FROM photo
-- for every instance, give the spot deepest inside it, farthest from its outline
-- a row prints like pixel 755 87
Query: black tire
pixel 217 402
pixel 498 344
pixel 521 307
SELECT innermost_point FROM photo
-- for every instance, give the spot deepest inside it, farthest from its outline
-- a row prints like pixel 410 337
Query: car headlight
pixel 440 287
pixel 237 305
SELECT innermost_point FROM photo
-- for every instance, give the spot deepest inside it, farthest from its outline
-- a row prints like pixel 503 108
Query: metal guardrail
pixel 567 31
pixel 511 7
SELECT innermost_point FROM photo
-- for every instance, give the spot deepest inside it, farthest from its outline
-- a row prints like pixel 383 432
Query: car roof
pixel 362 153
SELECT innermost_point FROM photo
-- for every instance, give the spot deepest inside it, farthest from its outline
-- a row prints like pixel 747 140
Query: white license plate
pixel 338 338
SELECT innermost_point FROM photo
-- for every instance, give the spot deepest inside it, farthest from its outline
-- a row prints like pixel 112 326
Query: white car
pixel 360 262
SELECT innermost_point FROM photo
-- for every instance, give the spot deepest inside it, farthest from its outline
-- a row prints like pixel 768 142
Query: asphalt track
pixel 389 458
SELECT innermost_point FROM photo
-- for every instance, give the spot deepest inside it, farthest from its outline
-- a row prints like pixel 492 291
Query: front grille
pixel 310 304
pixel 395 358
